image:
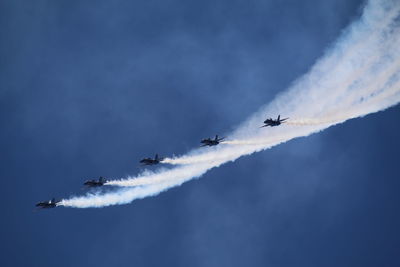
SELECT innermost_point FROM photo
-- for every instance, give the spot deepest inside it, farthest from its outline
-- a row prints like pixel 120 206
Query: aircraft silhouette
pixel 47 204
pixel 150 161
pixel 211 142
pixel 271 122
pixel 95 183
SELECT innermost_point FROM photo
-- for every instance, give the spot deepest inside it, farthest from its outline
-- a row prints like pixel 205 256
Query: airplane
pixel 271 122
pixel 47 204
pixel 211 142
pixel 150 161
pixel 95 183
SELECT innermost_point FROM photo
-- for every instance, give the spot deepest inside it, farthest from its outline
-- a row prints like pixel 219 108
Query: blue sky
pixel 90 88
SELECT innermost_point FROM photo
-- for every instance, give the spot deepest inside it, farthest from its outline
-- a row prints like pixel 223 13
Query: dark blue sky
pixel 87 88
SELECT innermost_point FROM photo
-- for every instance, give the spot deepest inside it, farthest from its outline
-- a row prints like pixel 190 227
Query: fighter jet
pixel 150 161
pixel 271 122
pixel 47 204
pixel 211 142
pixel 95 183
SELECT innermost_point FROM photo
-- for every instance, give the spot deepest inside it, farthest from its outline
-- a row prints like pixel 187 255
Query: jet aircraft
pixel 96 183
pixel 47 204
pixel 150 161
pixel 271 122
pixel 211 142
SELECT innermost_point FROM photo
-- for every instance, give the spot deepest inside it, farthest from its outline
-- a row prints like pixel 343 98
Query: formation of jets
pixel 149 161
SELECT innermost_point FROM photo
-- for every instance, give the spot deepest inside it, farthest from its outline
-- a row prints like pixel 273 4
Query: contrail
pixel 357 76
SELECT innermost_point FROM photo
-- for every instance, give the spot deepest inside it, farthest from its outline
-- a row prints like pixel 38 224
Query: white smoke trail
pixel 356 77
